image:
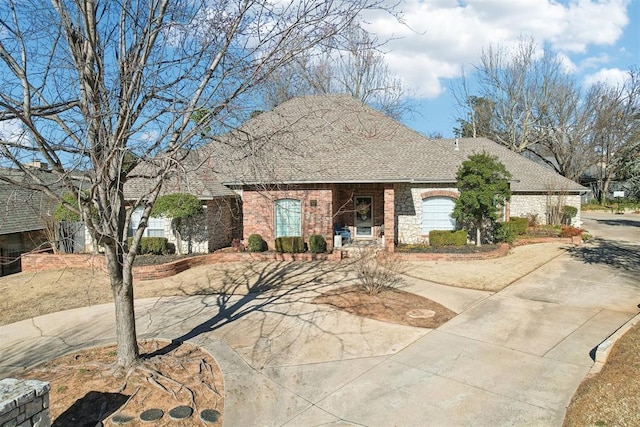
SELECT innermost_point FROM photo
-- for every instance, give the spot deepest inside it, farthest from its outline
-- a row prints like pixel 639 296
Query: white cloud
pixel 440 37
pixel 610 76
pixel 13 132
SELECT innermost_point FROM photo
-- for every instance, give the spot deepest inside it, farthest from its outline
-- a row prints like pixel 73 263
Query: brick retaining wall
pixel 47 261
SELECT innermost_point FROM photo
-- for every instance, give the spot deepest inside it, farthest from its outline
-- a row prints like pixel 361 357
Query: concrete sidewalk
pixel 509 358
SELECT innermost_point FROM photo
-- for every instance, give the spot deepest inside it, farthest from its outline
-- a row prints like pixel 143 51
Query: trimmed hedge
pixel 152 245
pixel 438 238
pixel 290 244
pixel 256 243
pixel 505 232
pixel 317 244
pixel 519 225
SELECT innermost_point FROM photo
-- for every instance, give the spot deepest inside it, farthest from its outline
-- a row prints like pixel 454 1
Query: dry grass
pixel 612 396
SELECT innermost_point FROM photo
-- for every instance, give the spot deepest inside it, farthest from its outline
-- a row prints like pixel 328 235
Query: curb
pixel 604 348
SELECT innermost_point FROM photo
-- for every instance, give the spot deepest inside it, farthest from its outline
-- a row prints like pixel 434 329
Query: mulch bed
pixel 391 305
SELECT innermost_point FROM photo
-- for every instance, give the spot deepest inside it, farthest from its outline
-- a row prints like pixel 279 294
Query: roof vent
pixel 456 147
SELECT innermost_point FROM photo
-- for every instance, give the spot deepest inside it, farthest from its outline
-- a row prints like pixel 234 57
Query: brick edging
pixel 47 261
pixel 503 250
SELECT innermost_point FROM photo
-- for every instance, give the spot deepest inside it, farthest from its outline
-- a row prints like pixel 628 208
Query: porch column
pixel 389 219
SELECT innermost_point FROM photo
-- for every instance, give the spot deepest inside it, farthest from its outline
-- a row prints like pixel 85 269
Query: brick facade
pixel 316 205
pixel 224 222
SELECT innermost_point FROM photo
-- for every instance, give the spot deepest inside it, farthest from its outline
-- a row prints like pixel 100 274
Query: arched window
pixel 288 218
pixel 436 214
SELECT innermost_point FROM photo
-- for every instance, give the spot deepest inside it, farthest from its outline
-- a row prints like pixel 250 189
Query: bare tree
pixel 355 66
pixel 529 103
pixel 615 129
pixel 89 83
pixel 563 118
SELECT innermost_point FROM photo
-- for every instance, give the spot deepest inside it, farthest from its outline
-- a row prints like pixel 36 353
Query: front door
pixel 363 216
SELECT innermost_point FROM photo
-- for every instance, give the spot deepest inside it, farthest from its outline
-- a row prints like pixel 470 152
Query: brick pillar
pixel 389 219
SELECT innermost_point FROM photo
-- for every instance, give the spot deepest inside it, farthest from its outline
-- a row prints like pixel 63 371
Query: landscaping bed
pixel 466 249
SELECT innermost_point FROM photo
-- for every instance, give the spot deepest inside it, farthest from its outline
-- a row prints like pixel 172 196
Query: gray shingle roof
pixel 195 175
pixel 337 138
pixel 22 209
pixel 528 175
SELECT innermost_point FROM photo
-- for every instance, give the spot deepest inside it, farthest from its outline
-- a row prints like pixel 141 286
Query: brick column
pixel 389 219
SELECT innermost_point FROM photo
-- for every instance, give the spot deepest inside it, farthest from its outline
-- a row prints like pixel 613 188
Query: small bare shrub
pixel 377 270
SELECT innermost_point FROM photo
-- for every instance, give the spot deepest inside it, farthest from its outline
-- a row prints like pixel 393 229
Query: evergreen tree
pixel 483 182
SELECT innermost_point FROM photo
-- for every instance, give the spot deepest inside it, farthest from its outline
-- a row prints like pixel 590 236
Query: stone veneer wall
pixel 408 202
pixel 24 403
pixel 523 205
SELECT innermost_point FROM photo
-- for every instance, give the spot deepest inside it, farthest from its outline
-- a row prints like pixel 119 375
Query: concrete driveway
pixel 509 358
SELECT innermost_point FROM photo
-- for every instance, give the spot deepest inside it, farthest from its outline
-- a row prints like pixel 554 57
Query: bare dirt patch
pixel 391 305
pixel 87 388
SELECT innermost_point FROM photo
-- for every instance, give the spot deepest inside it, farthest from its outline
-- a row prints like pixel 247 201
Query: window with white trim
pixel 155 226
pixel 436 214
pixel 288 217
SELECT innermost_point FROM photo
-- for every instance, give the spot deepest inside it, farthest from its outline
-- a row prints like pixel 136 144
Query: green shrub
pixel 317 244
pixel 568 213
pixel 505 232
pixel 519 225
pixel 439 238
pixel 290 244
pixel 256 243
pixel 152 245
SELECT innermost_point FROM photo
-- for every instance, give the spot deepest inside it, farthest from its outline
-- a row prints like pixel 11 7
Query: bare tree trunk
pixel 478 241
pixel 121 277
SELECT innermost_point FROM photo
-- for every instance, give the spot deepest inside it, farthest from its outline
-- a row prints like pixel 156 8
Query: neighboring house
pixel 23 214
pixel 317 163
pixel 221 220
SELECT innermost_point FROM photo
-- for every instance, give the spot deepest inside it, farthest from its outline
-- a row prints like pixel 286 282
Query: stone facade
pixel 525 205
pixel 408 204
pixel 24 403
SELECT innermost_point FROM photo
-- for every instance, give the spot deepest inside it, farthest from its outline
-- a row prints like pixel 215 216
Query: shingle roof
pixel 22 209
pixel 527 175
pixel 195 175
pixel 337 138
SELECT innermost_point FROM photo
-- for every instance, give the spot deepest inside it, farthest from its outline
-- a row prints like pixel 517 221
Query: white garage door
pixel 436 214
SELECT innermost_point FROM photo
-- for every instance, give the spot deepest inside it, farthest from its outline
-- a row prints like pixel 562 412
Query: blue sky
pixel 598 40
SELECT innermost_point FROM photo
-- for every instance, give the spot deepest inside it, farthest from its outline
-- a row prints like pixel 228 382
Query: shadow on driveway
pixel 615 254
pixel 619 222
pixel 267 288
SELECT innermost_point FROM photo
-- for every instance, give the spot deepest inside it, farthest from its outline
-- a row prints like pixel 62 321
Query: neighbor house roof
pixel 194 175
pixel 339 139
pixel 22 209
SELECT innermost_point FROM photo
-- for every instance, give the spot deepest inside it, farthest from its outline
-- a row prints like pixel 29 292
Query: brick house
pixel 317 162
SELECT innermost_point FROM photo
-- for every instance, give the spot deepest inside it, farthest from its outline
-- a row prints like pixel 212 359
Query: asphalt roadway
pixel 513 357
